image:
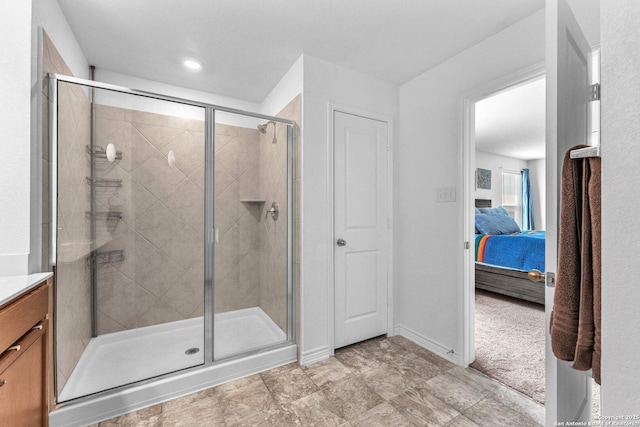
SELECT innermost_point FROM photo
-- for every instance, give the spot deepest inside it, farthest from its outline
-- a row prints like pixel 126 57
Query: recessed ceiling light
pixel 192 64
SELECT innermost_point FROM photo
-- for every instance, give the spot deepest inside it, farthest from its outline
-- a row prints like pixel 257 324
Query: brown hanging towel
pixel 575 320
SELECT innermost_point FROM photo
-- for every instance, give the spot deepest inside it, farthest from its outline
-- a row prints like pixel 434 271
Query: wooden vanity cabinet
pixel 24 344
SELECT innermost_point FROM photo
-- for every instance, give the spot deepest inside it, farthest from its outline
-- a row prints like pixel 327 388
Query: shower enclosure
pixel 172 235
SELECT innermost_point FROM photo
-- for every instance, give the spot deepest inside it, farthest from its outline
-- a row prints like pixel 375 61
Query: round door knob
pixel 536 275
pixel 341 242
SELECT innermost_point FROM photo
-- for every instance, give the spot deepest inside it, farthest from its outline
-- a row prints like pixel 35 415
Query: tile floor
pixel 380 382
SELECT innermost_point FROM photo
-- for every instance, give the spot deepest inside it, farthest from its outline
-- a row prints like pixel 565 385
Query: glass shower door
pixel 130 238
pixel 251 218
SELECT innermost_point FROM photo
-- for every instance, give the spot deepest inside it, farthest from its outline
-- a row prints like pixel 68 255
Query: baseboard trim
pixel 315 355
pixel 428 344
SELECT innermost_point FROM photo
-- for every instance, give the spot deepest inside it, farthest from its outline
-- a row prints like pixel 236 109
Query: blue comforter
pixel 521 251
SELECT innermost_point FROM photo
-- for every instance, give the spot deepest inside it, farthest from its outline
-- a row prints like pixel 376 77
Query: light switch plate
pixel 446 194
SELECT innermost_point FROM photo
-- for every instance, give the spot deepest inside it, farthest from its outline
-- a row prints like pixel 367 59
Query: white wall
pixel 323 83
pixel 15 63
pixel 161 107
pixel 496 164
pixel 47 15
pixel 620 206
pixel 538 191
pixel 428 238
pixel 289 86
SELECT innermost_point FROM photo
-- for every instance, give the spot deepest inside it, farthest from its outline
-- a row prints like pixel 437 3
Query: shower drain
pixel 193 350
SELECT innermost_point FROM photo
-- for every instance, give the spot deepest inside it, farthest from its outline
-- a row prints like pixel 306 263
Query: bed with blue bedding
pixel 520 251
pixel 504 255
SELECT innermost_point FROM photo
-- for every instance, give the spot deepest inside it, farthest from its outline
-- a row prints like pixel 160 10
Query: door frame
pixel 466 220
pixel 332 108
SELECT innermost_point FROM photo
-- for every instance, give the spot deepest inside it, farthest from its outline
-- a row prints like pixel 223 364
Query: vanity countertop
pixel 14 286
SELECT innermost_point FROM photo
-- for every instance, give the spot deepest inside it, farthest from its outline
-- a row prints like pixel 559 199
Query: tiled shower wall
pixel 72 273
pixel 273 234
pixel 237 216
pixel 162 229
pixel 251 256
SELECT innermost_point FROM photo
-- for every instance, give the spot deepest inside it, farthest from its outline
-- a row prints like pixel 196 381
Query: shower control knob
pixel 274 211
pixel 341 242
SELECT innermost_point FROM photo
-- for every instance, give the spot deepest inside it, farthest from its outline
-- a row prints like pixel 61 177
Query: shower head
pixel 263 128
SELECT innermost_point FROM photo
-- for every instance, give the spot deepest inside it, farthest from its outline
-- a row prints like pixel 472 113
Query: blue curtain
pixel 527 201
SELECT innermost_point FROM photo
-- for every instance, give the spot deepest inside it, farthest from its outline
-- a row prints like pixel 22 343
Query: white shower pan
pixel 126 357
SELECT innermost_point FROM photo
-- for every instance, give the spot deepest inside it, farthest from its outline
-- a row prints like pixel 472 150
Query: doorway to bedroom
pixel 507 165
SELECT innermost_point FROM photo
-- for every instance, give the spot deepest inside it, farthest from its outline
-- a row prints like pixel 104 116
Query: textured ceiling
pixel 246 46
pixel 512 123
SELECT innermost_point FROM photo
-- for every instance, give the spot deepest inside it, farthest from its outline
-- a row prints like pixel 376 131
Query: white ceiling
pixel 246 46
pixel 512 123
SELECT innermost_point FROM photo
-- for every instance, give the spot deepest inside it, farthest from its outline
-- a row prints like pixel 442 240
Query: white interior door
pixel 360 228
pixel 568 392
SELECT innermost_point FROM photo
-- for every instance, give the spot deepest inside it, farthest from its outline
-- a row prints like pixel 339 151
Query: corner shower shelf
pixel 101 153
pixel 104 215
pixel 103 182
pixel 250 200
pixel 100 259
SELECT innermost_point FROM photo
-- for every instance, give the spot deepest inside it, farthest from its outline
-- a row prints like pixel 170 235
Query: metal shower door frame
pixel 209 234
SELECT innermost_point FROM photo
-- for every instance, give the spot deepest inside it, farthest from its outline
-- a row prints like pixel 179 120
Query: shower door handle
pixel 341 242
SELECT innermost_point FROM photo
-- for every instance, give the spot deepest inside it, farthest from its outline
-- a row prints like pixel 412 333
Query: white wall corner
pixel 48 15
pixel 289 86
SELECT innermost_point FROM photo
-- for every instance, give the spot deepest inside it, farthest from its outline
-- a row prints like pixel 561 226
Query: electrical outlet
pixel 446 194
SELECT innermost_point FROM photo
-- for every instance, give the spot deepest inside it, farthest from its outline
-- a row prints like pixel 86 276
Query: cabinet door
pixel 22 389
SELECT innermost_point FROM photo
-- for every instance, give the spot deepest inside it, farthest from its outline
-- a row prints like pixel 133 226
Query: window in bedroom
pixel 512 195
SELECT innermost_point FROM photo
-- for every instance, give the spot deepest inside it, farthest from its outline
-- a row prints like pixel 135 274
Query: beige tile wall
pixel 161 230
pixel 251 256
pixel 273 234
pixel 236 269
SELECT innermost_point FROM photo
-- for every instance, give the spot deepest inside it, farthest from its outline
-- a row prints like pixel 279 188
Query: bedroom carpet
pixel 510 345
pixel 510 342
